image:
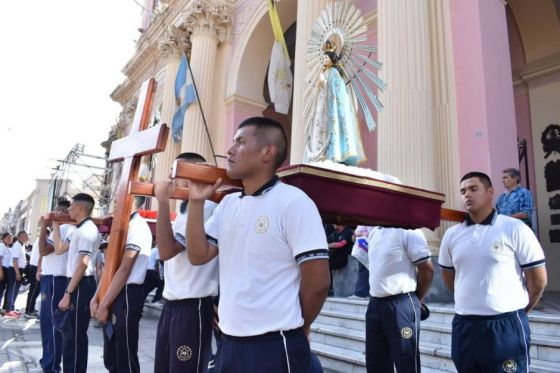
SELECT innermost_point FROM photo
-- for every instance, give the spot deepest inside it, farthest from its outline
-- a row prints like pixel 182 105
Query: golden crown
pixel 329 46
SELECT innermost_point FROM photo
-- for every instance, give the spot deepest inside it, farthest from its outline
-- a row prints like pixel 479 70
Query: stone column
pixel 444 105
pixel 307 12
pixel 171 46
pixel 406 133
pixel 406 129
pixel 209 24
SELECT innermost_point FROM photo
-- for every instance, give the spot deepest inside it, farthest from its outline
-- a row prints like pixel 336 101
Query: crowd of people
pixel 253 273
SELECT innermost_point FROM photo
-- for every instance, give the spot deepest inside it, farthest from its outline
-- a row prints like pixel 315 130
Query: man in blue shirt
pixel 516 201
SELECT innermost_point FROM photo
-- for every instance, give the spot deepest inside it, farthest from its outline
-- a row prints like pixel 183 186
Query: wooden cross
pixel 129 150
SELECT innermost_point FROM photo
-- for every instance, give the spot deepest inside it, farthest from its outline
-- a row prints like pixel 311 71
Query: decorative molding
pixel 537 73
pixel 209 17
pixel 234 99
pixel 242 18
pixel 174 42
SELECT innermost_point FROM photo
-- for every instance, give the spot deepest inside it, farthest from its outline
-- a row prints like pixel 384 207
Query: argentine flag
pixel 184 95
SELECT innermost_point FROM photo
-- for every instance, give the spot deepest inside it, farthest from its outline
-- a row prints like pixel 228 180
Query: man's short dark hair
pixel 85 198
pixel 20 233
pixel 484 179
pixel 268 131
pixel 513 172
pixel 5 235
pixel 191 157
pixel 63 202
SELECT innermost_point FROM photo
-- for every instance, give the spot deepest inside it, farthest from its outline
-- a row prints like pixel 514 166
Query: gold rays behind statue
pixel 342 29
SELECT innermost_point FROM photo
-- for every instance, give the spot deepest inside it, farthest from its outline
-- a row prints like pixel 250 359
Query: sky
pixel 59 62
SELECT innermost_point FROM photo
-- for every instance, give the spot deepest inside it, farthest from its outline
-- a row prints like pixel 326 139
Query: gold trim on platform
pixel 356 179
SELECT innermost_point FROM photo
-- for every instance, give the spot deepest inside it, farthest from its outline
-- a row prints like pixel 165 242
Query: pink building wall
pixel 485 104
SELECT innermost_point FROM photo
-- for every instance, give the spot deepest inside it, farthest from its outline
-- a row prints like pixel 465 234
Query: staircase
pixel 338 338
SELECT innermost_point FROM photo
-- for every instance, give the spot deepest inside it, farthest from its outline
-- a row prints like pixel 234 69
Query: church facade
pixel 471 85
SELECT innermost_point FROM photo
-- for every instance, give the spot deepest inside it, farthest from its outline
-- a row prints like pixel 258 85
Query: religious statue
pixel 334 133
pixel 339 81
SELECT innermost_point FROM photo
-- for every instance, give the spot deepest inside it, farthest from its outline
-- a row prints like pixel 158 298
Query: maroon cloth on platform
pixel 344 198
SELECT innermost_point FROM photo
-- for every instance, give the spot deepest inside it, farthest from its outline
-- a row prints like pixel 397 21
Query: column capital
pixel 174 42
pixel 209 17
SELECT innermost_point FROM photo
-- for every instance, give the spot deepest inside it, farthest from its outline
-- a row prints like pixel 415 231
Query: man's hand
pixel 93 306
pixel 1 274
pixel 38 275
pixel 102 313
pixel 200 192
pixel 162 190
pixel 64 304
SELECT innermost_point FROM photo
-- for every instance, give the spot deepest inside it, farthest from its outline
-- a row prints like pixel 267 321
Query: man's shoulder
pixel 286 193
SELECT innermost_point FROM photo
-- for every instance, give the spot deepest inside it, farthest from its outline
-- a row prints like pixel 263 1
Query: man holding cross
pixel 185 326
pixel 126 295
pixel 274 271
pixel 81 284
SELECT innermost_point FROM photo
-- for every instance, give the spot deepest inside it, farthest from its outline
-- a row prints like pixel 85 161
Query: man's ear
pixel 269 153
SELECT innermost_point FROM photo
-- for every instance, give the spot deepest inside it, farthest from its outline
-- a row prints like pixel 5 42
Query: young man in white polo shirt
pixel 185 326
pixel 81 284
pixel 5 257
pixel 126 295
pixel 18 263
pixel 274 269
pixel 495 266
pixel 400 275
pixel 53 284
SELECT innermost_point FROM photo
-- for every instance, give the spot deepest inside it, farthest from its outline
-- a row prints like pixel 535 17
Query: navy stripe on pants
pixel 52 291
pixel 75 349
pixel 491 343
pixel 275 352
pixel 120 353
pixel 184 335
pixel 392 334
pixel 13 289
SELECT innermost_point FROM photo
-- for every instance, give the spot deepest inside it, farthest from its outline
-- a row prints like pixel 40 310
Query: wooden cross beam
pixel 141 141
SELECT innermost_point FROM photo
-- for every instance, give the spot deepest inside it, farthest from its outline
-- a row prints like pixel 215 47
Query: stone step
pixel 347 329
pixel 542 324
pixel 434 358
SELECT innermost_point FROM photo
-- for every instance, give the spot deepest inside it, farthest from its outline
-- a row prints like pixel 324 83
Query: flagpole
pixel 202 113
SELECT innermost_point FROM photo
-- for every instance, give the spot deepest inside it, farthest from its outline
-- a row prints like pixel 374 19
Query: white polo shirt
pixel 85 241
pixel 139 239
pixel 262 240
pixel 17 251
pixel 182 279
pixel 5 254
pixel 152 260
pixel 393 254
pixel 53 264
pixel 489 259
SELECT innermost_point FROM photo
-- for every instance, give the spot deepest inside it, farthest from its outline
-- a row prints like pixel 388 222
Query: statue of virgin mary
pixel 333 133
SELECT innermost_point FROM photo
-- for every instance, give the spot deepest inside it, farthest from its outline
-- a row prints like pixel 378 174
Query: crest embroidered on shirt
pixel 509 366
pixel 43 296
pixel 184 353
pixel 262 225
pixel 114 319
pixel 406 333
pixel 497 247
